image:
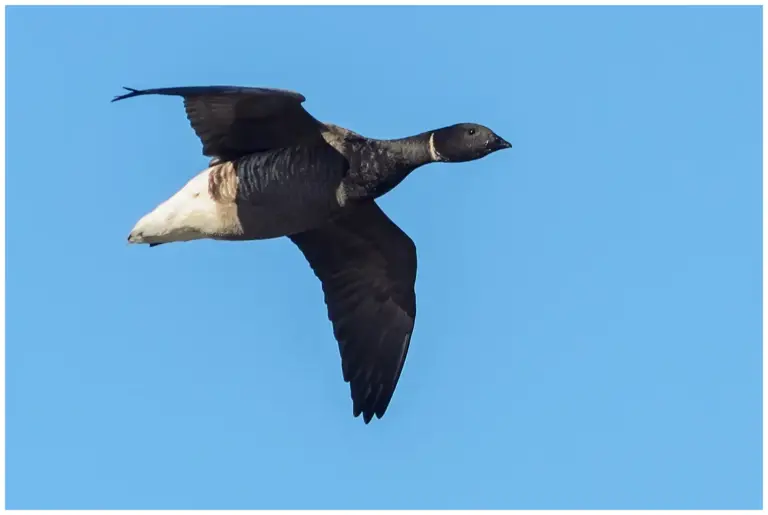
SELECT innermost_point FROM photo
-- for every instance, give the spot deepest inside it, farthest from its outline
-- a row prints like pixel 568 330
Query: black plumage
pixel 367 267
pixel 234 121
pixel 316 183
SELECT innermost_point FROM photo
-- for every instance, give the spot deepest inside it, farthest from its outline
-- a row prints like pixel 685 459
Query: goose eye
pixel 471 132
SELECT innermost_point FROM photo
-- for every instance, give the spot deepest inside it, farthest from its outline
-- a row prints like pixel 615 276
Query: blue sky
pixel 589 328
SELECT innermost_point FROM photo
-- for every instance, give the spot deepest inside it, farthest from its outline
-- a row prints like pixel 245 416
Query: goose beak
pixel 499 143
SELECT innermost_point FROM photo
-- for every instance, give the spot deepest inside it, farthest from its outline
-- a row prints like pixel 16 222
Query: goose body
pixel 277 171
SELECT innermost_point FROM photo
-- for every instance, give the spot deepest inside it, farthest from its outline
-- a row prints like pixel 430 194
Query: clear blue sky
pixel 589 328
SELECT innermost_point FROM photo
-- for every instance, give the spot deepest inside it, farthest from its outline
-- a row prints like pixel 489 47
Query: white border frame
pixel 335 2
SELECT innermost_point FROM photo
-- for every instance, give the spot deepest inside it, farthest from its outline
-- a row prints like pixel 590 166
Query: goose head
pixel 465 142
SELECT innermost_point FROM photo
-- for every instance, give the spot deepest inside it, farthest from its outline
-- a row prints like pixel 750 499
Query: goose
pixel 276 171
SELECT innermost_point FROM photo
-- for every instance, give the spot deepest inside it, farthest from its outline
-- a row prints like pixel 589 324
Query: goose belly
pixel 287 191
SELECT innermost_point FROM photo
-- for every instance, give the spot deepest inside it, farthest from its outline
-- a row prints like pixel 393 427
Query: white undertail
pixel 203 208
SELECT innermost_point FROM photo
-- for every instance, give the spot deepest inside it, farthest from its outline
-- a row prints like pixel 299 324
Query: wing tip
pixel 368 412
pixel 179 91
pixel 131 93
pixel 367 415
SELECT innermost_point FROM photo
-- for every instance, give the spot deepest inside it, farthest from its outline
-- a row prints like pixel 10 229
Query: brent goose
pixel 277 171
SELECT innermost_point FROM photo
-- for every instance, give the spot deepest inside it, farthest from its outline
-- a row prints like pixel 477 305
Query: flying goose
pixel 277 171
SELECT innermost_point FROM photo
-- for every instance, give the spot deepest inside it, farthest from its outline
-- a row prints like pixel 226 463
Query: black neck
pixel 385 163
pixel 411 152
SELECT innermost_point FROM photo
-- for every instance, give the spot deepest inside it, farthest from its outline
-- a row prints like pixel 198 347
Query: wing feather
pixel 367 267
pixel 234 121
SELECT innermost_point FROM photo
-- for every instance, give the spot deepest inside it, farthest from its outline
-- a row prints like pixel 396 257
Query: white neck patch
pixel 433 153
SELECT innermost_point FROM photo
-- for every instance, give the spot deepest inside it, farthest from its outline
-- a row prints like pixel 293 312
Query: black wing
pixel 234 121
pixel 367 266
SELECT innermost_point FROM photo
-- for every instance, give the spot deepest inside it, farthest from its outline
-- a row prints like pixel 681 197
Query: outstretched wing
pixel 233 121
pixel 367 267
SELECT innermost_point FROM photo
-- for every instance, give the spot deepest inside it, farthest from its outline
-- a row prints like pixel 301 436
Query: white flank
pixel 341 195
